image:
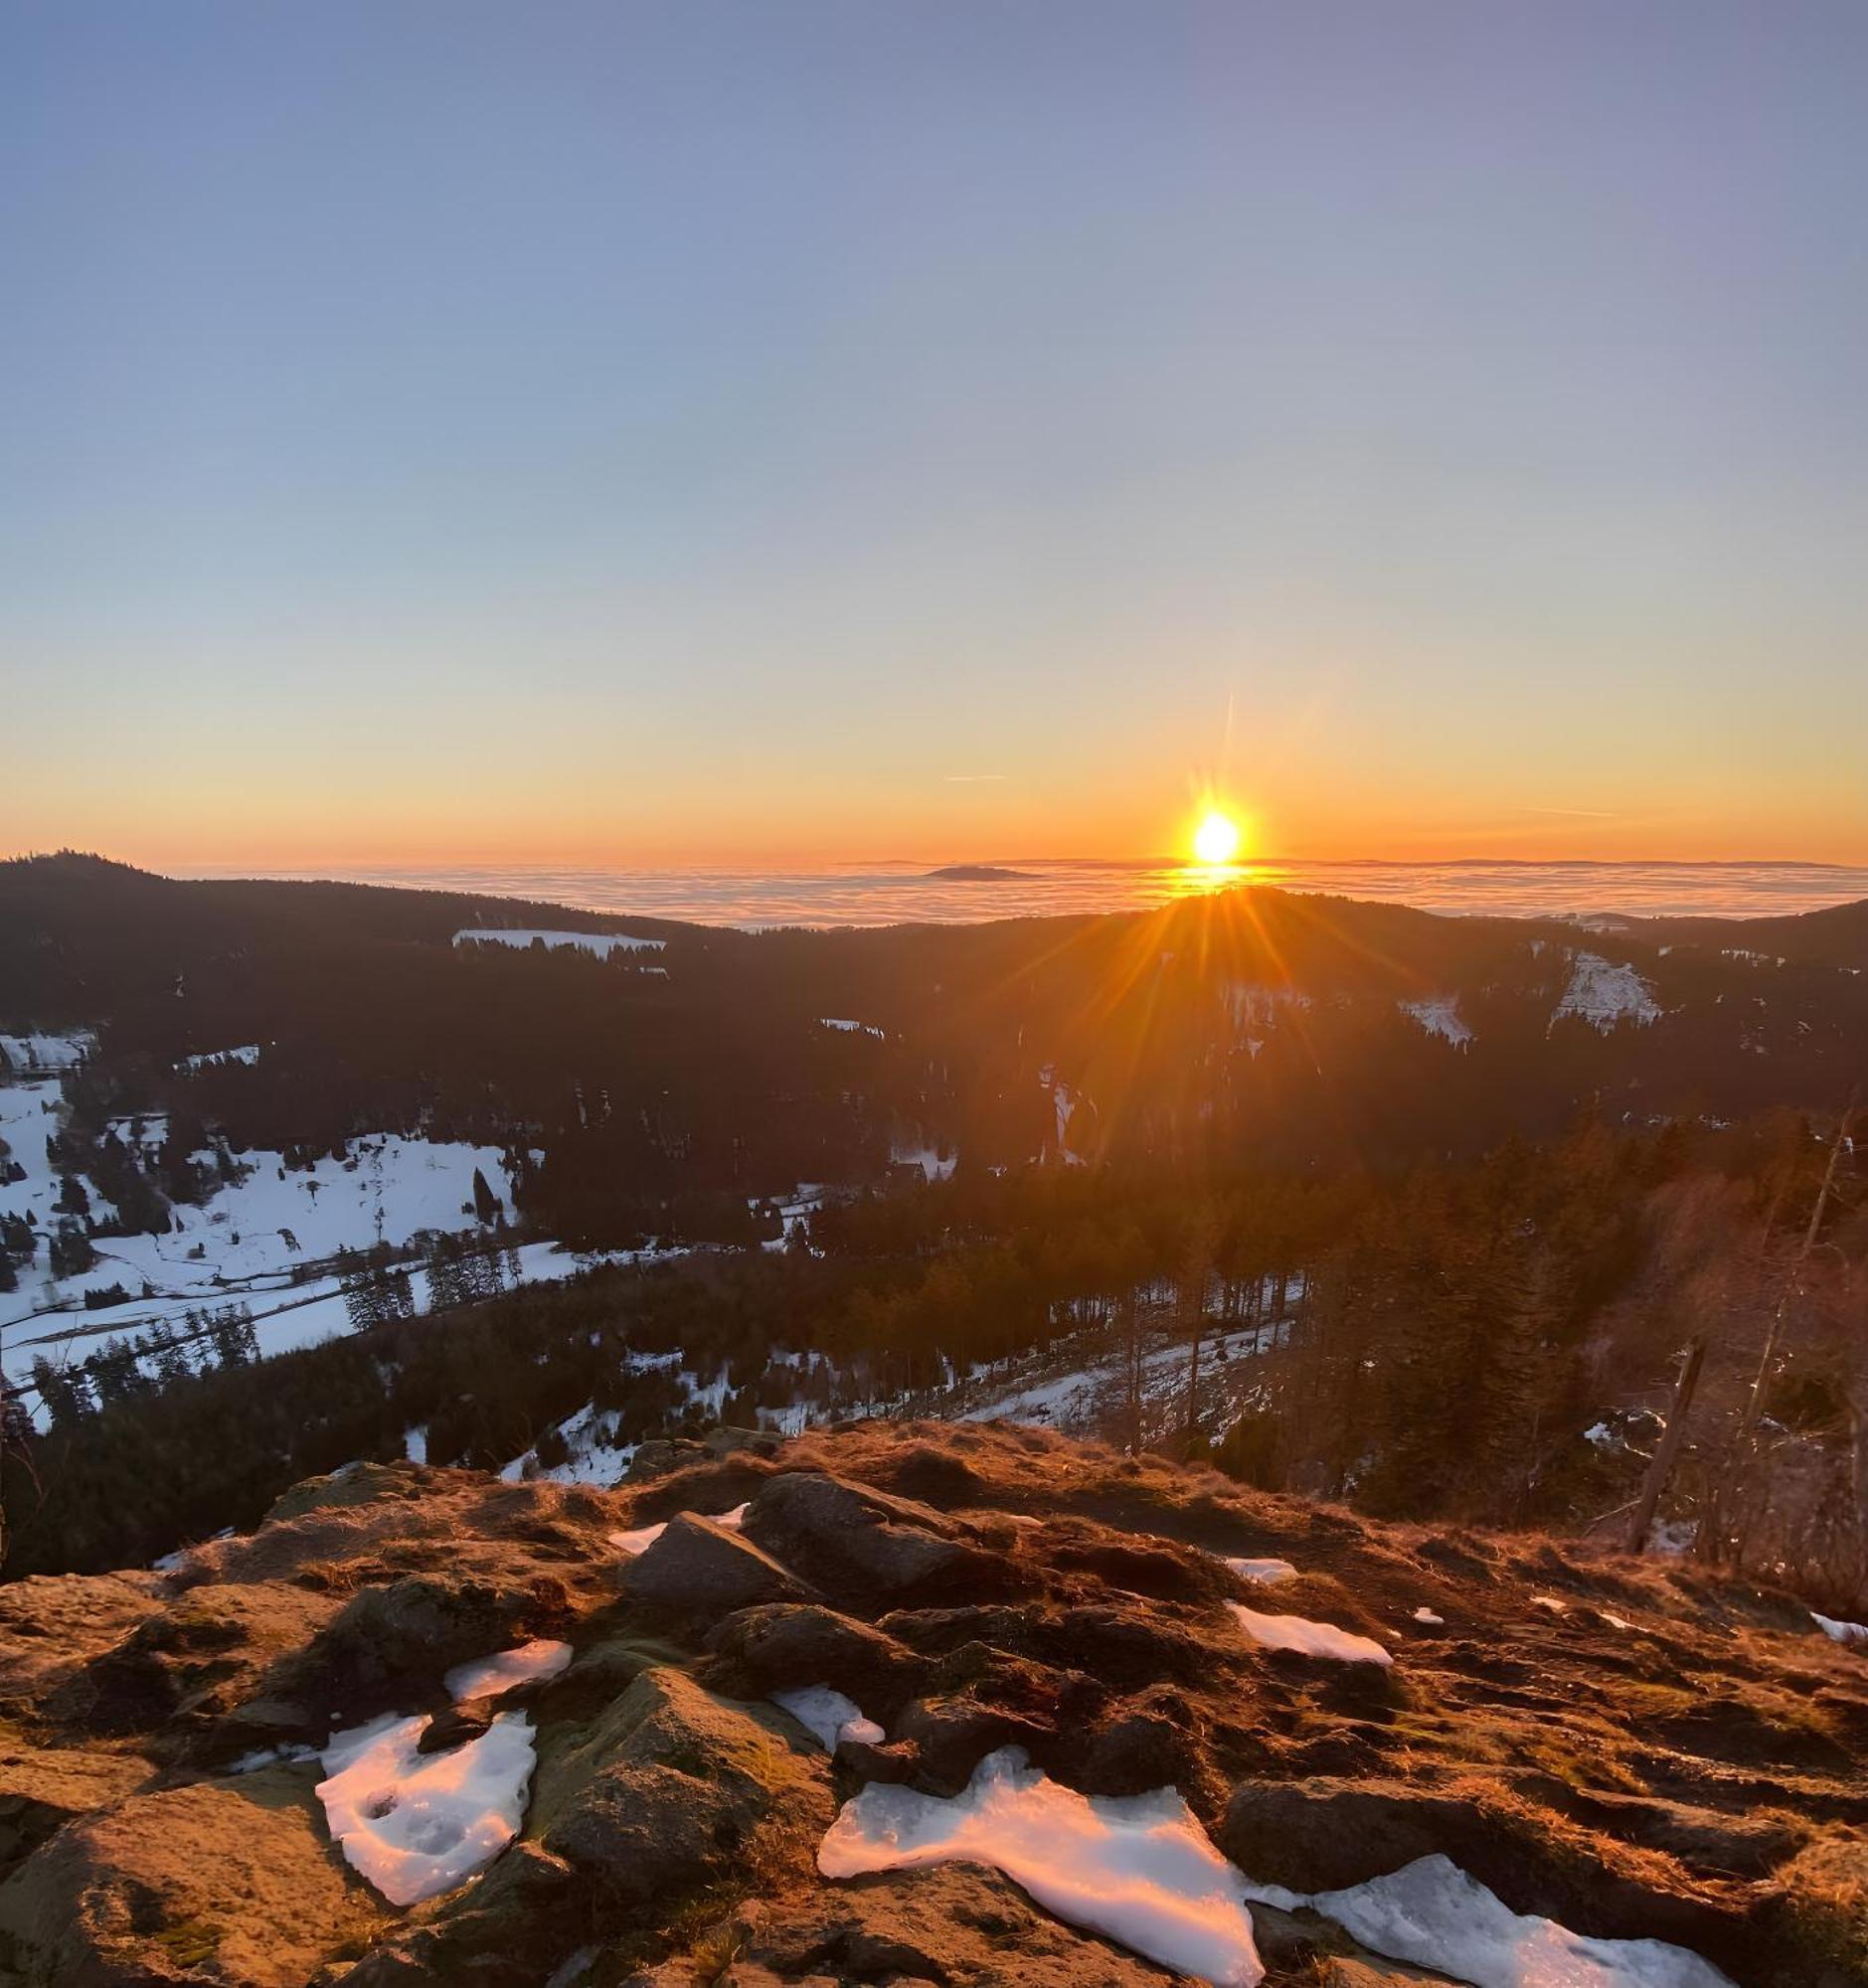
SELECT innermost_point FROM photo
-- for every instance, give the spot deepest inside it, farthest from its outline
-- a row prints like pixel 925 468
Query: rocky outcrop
pixel 1671 1758
pixel 700 1569
pixel 234 1883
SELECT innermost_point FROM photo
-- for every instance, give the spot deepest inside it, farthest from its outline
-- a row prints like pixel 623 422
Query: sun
pixel 1216 841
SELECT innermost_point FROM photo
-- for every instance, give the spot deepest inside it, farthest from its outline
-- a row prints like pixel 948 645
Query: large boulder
pixel 867 1548
pixel 699 1569
pixel 670 1793
pixel 674 1786
pixel 42 1788
pixel 191 1661
pixel 778 1648
pixel 959 1925
pixel 234 1883
pixel 51 1625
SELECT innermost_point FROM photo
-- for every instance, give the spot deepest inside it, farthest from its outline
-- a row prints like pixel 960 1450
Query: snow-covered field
pixel 1604 994
pixel 48 1053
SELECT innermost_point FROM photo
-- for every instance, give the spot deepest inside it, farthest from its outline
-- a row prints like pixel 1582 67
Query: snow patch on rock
pixel 1138 1869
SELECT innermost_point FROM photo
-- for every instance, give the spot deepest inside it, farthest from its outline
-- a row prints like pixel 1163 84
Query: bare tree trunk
pixel 1792 1277
pixel 1667 1452
pixel 1131 1314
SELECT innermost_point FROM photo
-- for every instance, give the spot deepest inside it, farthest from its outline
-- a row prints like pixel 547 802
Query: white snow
pixel 1311 1640
pixel 418 1824
pixel 1842 1633
pixel 1603 994
pixel 1136 1868
pixel 246 1053
pixel 925 1156
pixel 1431 1913
pixel 638 1541
pixel 494 1676
pixel 1439 1016
pixel 1265 1570
pixel 828 1714
pixel 1427 1616
pixel 44 1051
pixel 601 943
pixel 1553 1603
pixel 850 1028
pixel 416 1443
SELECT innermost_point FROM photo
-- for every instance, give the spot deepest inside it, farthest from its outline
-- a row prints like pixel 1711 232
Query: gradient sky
pixel 780 431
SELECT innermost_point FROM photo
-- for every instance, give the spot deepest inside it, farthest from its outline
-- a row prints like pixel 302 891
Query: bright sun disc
pixel 1216 841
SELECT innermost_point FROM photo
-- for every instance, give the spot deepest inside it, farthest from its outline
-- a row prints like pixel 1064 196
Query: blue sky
pixel 647 432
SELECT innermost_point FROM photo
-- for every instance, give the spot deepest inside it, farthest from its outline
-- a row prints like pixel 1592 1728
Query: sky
pixel 707 431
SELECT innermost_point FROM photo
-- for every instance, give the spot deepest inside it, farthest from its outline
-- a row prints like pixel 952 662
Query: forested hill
pixel 712 1063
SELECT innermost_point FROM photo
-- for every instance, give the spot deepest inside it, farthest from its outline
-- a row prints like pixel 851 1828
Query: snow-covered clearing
pixel 1603 994
pixel 418 1824
pixel 1842 1633
pixel 251 1231
pixel 1431 1913
pixel 1262 1570
pixel 494 1676
pixel 1136 1868
pixel 933 1164
pixel 601 943
pixel 1439 1016
pixel 1081 1386
pixel 1310 1639
pixel 828 1716
pixel 48 1053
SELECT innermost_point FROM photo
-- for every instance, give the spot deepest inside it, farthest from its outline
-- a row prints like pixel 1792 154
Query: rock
pixel 355 1484
pixel 392 1642
pixel 951 1736
pixel 661 1456
pixel 42 1788
pixel 867 1547
pixel 879 1761
pixel 697 1568
pixel 775 1648
pixel 191 1661
pixel 234 1883
pixel 668 1793
pixel 673 1786
pixel 51 1625
pixel 455 1726
pixel 957 1924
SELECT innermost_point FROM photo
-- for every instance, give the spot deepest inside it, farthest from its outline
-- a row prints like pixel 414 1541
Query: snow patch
pixel 494 1676
pixel 1135 1867
pixel 828 1714
pixel 1427 1616
pixel 1310 1639
pixel 1439 1016
pixel 1431 1913
pixel 1265 1570
pixel 850 1028
pixel 418 1824
pixel 1602 995
pixel 1841 1632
